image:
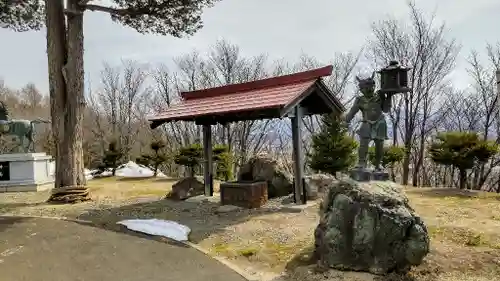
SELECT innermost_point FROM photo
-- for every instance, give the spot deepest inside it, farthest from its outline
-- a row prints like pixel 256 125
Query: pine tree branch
pixel 109 10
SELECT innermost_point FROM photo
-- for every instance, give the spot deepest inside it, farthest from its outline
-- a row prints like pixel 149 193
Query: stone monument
pixel 373 106
pixel 23 170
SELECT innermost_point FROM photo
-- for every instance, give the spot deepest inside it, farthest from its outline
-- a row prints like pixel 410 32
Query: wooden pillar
pixel 298 159
pixel 208 161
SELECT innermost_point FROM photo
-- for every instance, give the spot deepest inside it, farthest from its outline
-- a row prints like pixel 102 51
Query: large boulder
pixel 186 188
pixel 264 168
pixel 369 227
pixel 318 184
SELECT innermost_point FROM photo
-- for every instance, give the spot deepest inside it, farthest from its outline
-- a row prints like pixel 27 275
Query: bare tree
pixel 485 103
pixel 189 78
pixel 426 48
pixel 133 89
pixel 225 65
pixel 109 96
pixel 163 79
pixel 96 127
pixel 32 99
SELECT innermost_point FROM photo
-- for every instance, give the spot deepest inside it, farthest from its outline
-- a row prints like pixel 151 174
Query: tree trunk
pixel 462 178
pixel 70 178
pixel 406 165
pixel 420 157
pixel 56 55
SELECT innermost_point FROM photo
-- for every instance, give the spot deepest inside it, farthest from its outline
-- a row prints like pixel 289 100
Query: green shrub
pixel 189 156
pixel 462 150
pixel 392 155
pixel 155 159
pixel 224 161
pixel 112 157
pixel 332 149
pixel 192 156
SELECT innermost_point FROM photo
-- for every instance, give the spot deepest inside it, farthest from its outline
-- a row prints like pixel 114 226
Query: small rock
pixel 186 188
pixel 317 183
pixel 228 209
pixel 264 168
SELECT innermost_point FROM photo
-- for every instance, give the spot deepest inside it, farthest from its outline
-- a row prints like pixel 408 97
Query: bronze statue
pixel 372 104
pixel 22 129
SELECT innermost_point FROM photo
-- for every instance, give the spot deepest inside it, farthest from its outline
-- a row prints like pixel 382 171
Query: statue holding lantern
pixel 373 106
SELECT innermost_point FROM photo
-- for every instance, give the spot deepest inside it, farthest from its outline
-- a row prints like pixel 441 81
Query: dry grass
pixel 105 193
pixel 129 188
pixel 272 239
pixel 464 227
pixel 465 234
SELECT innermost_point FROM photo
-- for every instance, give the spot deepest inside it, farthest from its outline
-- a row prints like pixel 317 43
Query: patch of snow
pixel 107 173
pixel 127 170
pixel 133 170
pixel 161 175
pixel 170 229
pixel 88 174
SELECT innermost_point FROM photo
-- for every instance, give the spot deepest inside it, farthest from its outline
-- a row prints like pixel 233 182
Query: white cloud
pixel 280 28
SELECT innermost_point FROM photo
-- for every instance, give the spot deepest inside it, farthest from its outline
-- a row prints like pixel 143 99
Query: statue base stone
pixel 360 174
pixel 366 175
pixel 380 176
pixel 20 172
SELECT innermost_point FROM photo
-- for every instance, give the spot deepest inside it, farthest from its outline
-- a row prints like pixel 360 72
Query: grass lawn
pixel 464 227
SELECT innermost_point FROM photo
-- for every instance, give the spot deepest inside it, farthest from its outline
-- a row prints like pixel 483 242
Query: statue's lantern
pixel 394 78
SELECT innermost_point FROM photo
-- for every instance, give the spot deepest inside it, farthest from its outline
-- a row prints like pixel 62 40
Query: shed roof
pixel 267 98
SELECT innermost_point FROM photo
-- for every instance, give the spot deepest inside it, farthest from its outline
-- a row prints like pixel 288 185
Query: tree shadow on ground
pixel 6 222
pixel 201 217
pixel 134 178
pixel 7 207
pixel 167 180
pixel 125 230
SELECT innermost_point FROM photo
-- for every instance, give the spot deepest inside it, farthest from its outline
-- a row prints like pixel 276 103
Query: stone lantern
pixel 394 78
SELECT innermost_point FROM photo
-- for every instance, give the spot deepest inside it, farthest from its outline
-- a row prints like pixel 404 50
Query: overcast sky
pixel 280 28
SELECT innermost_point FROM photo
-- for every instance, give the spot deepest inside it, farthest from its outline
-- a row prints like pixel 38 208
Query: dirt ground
pixel 464 227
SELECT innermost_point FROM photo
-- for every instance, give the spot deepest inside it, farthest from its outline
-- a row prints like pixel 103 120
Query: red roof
pixel 275 92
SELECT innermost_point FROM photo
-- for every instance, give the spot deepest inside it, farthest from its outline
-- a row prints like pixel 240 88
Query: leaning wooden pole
pixel 298 159
pixel 208 160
